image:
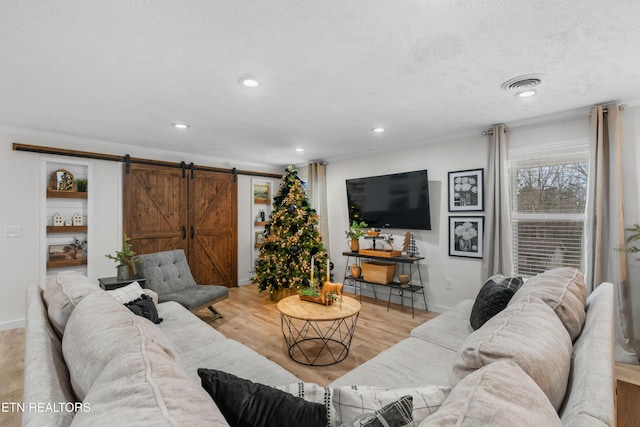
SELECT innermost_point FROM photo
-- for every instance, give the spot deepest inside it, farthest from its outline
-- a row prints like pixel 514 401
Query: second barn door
pixel 167 208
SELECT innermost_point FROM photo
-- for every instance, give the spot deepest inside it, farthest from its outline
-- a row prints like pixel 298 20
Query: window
pixel 548 199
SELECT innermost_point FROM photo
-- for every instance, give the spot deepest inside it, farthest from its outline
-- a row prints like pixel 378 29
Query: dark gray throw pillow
pixel 247 404
pixel 491 300
pixel 144 307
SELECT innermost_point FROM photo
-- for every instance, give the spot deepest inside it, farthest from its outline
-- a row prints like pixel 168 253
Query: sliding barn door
pixel 213 246
pixel 155 208
pixel 167 208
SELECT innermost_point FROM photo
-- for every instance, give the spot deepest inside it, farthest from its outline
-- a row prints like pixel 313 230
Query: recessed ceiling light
pixel 378 130
pixel 299 150
pixel 248 82
pixel 526 93
pixel 180 125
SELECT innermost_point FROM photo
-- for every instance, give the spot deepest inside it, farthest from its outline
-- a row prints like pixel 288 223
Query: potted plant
pixel 354 233
pixel 79 244
pixel 389 242
pixel 81 183
pixel 124 259
pixel 635 235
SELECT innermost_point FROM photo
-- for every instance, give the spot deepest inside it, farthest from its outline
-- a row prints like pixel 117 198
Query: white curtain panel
pixel 318 189
pixel 604 223
pixel 498 246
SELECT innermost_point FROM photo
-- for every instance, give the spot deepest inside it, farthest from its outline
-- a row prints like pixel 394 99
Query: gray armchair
pixel 168 274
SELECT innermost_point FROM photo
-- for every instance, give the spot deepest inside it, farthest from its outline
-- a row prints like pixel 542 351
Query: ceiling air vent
pixel 522 83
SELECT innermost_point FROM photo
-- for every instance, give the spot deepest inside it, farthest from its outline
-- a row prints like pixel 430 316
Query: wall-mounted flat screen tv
pixel 399 200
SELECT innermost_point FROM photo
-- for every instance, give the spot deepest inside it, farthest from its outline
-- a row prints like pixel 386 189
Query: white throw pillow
pixel 563 290
pixel 63 294
pixel 529 333
pixel 350 402
pixel 498 395
pixel 127 293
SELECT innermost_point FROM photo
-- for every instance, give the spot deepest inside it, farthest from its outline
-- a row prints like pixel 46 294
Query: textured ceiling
pixel 329 71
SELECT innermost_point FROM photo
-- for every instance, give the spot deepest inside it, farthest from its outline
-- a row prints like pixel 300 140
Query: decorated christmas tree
pixel 291 241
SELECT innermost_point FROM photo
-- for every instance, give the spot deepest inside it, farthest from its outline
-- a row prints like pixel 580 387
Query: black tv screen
pixel 399 200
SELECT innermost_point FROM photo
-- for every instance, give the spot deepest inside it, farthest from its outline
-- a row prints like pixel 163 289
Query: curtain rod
pixel 127 159
pixel 621 107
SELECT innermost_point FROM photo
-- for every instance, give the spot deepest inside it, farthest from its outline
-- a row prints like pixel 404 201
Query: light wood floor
pixel 253 319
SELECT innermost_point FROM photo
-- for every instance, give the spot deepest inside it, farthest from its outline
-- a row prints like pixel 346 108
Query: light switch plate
pixel 13 231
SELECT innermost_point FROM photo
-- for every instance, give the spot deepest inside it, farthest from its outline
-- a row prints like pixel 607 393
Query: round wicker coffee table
pixel 317 334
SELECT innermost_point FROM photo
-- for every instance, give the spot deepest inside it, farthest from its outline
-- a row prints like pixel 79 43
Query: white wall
pixel 20 260
pixel 438 159
pixel 470 153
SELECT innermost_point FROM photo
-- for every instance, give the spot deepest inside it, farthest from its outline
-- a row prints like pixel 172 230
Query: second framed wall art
pixel 465 236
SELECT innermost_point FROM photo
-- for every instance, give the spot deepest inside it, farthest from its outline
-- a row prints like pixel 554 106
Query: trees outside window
pixel 548 197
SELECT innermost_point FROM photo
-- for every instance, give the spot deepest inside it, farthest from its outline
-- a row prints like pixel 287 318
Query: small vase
pixel 123 272
pixel 388 247
pixel 465 245
pixel 356 271
pixel 355 245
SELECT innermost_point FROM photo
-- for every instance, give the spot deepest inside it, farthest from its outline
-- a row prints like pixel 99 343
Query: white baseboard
pixel 14 324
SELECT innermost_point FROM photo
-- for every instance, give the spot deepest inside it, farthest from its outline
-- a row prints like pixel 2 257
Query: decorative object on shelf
pixel 261 194
pixel 81 184
pixel 61 180
pixel 77 219
pixel 58 220
pixel 354 233
pixel 465 236
pixel 262 216
pixel 79 244
pixel 404 280
pixel 378 272
pixel 388 243
pixel 356 271
pixel 68 222
pixel 466 190
pixel 373 232
pixel 635 230
pixel 291 239
pixel 259 238
pixel 124 259
pixel 62 252
pixel 409 245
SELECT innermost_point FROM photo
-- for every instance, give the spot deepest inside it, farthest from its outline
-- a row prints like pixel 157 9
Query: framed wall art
pixel 259 238
pixel 466 191
pixel 261 194
pixel 465 236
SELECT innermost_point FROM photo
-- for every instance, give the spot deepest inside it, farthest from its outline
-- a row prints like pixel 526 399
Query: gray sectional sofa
pixel 546 359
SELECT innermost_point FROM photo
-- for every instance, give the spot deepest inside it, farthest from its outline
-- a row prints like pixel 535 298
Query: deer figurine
pixel 329 288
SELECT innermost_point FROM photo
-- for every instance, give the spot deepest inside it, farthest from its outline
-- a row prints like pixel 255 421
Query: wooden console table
pixel 395 287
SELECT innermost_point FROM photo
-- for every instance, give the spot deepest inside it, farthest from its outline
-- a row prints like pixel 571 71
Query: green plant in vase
pixel 79 244
pixel 124 258
pixel 354 233
pixel 310 291
pixel 81 183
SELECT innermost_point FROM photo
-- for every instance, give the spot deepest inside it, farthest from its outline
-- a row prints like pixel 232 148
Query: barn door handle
pixel 193 231
pixel 184 232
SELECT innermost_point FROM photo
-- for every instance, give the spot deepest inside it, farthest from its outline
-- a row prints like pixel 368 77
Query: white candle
pixel 312 270
pixel 328 274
